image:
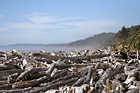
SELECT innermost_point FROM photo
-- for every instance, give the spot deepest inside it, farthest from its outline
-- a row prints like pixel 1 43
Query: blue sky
pixel 62 21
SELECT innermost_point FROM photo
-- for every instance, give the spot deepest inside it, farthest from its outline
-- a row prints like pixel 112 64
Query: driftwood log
pixel 90 72
pixel 25 74
pixel 12 71
pixel 49 57
pixel 29 59
pixel 79 82
pixel 54 85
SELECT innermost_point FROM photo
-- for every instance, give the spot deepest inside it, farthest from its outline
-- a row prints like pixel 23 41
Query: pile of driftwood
pixel 87 71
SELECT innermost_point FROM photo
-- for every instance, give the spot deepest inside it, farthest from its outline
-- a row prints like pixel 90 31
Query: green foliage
pixel 128 38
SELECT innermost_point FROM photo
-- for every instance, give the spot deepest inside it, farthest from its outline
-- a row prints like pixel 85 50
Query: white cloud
pixel 44 18
pixel 95 23
pixel 93 26
pixel 33 26
pixel 71 25
pixel 77 27
pixel 41 21
pixel 3 29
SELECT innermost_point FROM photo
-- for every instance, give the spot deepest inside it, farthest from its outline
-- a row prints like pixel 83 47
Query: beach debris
pixel 79 71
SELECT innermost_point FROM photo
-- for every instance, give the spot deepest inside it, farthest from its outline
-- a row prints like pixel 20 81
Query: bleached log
pixel 44 79
pixel 102 81
pixel 38 64
pixel 137 55
pixel 50 70
pixel 109 73
pixel 88 77
pixel 79 82
pixel 134 90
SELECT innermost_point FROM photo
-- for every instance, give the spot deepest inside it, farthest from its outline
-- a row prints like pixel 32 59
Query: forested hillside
pixel 128 38
pixel 100 41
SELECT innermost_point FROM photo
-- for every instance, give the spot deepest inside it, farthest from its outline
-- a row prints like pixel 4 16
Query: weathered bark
pixel 67 77
pixel 63 66
pixel 73 58
pixel 108 74
pixel 60 74
pixel 50 70
pixel 44 60
pixel 133 90
pixel 3 82
pixel 88 77
pixel 102 81
pixel 12 78
pixel 56 77
pixel 79 82
pixel 119 69
pixel 54 85
pixel 9 72
pixel 103 66
pixel 5 87
pixel 6 67
pixel 3 78
pixel 25 84
pixel 44 79
pixel 109 86
pixel 87 57
pixel 27 73
pixel 2 55
pixel 16 90
pixel 37 75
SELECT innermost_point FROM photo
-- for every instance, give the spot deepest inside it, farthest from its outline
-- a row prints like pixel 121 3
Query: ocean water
pixel 44 48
